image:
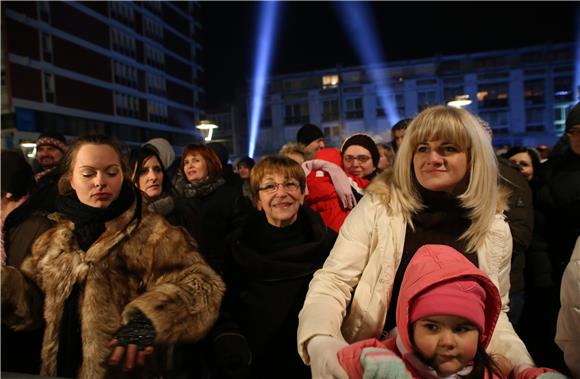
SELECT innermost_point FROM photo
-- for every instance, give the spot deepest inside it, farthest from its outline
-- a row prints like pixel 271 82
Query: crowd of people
pixel 428 256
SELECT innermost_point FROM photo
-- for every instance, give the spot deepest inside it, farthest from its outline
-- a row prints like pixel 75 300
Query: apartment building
pixel 523 93
pixel 123 68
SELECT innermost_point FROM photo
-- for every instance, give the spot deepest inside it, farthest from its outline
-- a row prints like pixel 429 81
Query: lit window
pixel 330 81
pixel 481 95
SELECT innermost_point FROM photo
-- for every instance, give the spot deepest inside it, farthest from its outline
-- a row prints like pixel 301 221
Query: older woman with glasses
pixel 273 257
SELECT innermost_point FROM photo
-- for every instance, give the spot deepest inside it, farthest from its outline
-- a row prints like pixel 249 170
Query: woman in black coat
pixel 273 257
pixel 219 208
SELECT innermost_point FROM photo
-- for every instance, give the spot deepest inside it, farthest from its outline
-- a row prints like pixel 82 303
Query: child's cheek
pixel 470 349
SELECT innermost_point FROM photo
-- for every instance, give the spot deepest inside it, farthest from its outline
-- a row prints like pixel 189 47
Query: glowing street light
pixel 206 127
pixel 460 101
pixel 28 148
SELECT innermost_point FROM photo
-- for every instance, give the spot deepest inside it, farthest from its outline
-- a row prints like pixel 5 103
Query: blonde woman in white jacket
pixel 568 327
pixel 443 188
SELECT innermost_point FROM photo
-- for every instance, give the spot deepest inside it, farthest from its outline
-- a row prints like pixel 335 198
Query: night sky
pixel 309 35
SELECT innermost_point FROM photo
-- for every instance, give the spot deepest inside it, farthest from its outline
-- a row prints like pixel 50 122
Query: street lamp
pixel 206 127
pixel 460 101
pixel 28 148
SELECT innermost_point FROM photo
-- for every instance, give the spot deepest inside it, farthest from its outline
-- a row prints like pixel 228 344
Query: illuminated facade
pixel 523 93
pixel 122 68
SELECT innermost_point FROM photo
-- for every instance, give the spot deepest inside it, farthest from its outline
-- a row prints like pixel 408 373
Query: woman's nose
pixel 434 157
pixel 100 180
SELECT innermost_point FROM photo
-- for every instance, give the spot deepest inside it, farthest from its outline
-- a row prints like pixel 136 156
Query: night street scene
pixel 290 189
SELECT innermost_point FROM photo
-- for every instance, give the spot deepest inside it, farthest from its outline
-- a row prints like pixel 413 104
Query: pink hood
pixel 433 264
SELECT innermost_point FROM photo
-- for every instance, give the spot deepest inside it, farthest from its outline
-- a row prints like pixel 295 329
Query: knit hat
pixel 573 117
pixel 246 162
pixel 459 297
pixel 308 133
pixel 52 139
pixel 17 177
pixel 365 141
pixel 164 150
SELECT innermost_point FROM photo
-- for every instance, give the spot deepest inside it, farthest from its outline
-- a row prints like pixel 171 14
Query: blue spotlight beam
pixel 576 90
pixel 358 22
pixel 263 59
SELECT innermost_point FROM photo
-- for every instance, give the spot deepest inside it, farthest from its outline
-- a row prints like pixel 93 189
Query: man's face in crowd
pixel 574 135
pixel 398 137
pixel 48 156
pixel 314 146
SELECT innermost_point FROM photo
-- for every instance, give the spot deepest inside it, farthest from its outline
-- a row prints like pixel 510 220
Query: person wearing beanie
pixel 244 166
pixel 163 149
pixel 50 149
pixel 312 138
pixel 556 228
pixel 20 225
pixel 446 313
pixel 360 156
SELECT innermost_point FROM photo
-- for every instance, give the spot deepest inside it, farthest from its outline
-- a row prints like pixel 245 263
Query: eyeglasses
pixel 289 186
pixel 360 158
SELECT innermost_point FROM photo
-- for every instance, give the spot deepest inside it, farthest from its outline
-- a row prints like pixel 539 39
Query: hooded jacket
pixel 348 298
pixel 431 265
pixel 322 196
pixel 147 266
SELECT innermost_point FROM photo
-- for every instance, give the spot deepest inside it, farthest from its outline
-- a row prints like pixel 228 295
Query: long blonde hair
pixel 456 126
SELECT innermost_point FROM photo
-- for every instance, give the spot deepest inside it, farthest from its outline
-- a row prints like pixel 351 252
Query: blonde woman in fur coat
pixel 443 189
pixel 117 281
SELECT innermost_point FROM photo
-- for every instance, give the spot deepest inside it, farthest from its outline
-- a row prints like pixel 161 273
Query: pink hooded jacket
pixel 431 264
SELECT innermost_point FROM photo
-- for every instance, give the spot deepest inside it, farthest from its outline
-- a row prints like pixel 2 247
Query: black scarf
pixel 89 221
pixel 197 188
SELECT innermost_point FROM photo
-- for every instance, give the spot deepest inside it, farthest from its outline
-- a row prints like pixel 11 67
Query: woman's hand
pixel 134 341
pixel 324 362
pixel 131 353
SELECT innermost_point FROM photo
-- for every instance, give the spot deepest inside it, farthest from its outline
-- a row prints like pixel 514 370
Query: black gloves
pixel 138 331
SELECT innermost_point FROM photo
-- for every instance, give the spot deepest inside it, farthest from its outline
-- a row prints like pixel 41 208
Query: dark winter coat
pixel 558 202
pixel 557 205
pixel 267 290
pixel 520 218
pixel 218 214
pixel 21 350
pixel 148 266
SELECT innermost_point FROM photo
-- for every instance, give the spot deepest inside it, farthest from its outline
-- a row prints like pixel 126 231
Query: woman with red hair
pixel 219 207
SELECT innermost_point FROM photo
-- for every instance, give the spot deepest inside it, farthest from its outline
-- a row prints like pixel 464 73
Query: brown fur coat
pixel 149 266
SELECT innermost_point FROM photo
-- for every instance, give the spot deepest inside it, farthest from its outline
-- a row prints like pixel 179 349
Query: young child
pixel 446 312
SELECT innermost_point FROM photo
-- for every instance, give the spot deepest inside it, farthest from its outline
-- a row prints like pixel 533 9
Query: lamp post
pixel 206 127
pixel 460 101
